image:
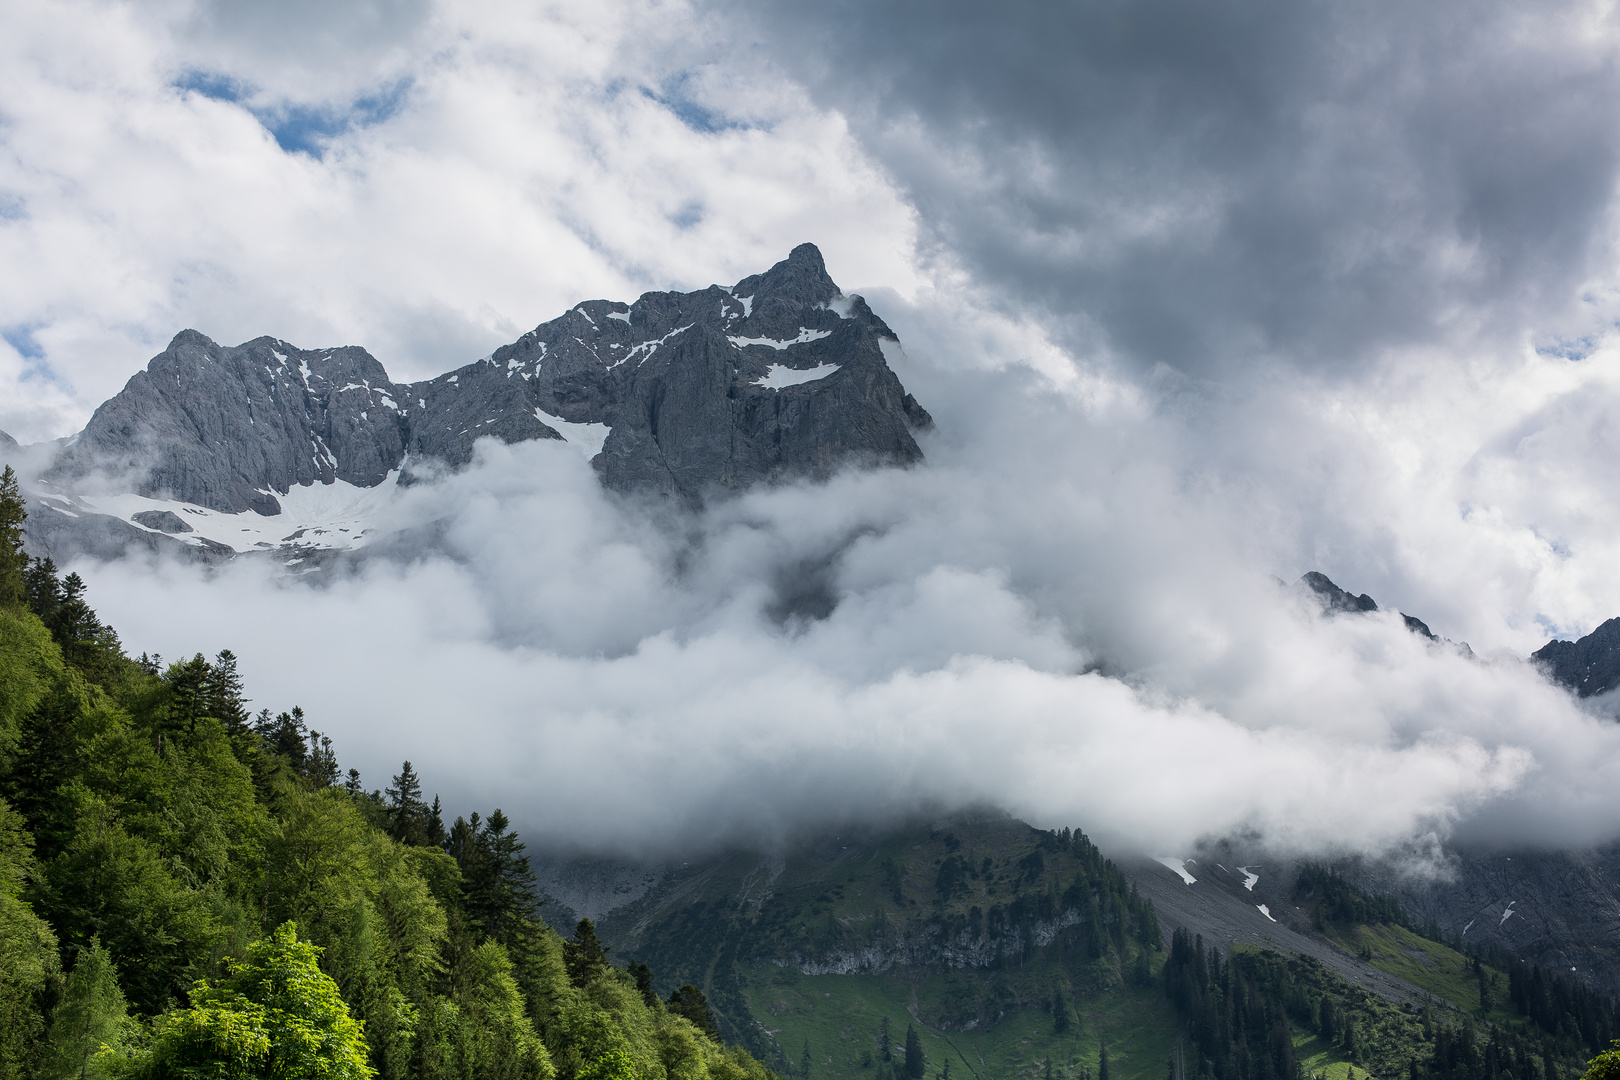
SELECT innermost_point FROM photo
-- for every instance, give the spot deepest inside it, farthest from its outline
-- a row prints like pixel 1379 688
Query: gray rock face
pixel 1589 666
pixel 696 393
pixel 225 427
pixel 1335 599
pixel 6 441
pixel 1558 909
pixel 164 521
pixel 779 375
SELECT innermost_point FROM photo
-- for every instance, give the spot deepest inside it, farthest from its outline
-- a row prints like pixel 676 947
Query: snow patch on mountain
pixel 337 516
pixel 587 438
pixel 781 376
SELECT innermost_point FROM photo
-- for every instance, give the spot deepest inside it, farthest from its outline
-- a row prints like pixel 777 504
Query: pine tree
pixel 285 736
pixel 321 765
pixel 356 789
pixel 804 1062
pixel 1060 1013
pixel 584 955
pixel 13 563
pixel 222 694
pixel 689 1001
pixel 407 813
pixel 885 1040
pixel 43 588
pixel 644 981
pixel 500 890
pixel 435 822
pixel 915 1067
pixel 1102 1061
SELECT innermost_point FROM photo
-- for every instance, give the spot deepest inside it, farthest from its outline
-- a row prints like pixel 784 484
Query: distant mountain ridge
pixel 679 395
pixel 1589 666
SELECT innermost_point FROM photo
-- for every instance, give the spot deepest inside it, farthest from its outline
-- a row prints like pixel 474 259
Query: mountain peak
pixel 800 278
pixel 195 338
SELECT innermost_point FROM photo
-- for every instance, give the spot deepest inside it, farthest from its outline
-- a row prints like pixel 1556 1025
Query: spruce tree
pixel 1102 1061
pixel 689 1001
pixel 43 588
pixel 222 694
pixel 644 982
pixel 407 813
pixel 915 1067
pixel 505 900
pixel 584 955
pixel 804 1061
pixel 13 563
pixel 435 822
pixel 885 1040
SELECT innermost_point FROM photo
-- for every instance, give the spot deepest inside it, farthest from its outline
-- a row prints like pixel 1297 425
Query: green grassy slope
pixel 839 1018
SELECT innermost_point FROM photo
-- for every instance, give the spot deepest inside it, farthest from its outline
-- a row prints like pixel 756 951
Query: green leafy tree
pixel 1606 1066
pixel 13 562
pixel 28 955
pixel 276 1015
pixel 495 1040
pixel 90 1018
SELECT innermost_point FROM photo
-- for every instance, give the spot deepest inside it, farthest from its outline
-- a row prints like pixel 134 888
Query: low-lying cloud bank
pixel 1069 612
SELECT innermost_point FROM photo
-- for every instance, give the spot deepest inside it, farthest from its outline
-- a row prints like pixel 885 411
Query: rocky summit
pixel 682 396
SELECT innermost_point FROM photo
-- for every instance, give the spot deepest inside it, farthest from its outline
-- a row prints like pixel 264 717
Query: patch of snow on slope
pixel 1508 913
pixel 805 337
pixel 587 438
pixel 338 516
pixel 1249 878
pixel 1177 865
pixel 780 376
pixel 1265 911
pixel 622 316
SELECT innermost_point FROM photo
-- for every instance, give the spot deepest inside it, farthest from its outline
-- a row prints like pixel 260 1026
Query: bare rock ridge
pixel 222 427
pixel 1337 601
pixel 1589 666
pixel 687 393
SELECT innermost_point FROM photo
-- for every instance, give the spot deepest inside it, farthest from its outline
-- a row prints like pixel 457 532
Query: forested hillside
pixel 190 890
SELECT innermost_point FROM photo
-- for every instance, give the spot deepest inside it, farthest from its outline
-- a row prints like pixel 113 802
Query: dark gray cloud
pixel 1202 184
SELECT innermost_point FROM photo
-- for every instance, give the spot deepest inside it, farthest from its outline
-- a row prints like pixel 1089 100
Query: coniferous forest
pixel 188 889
